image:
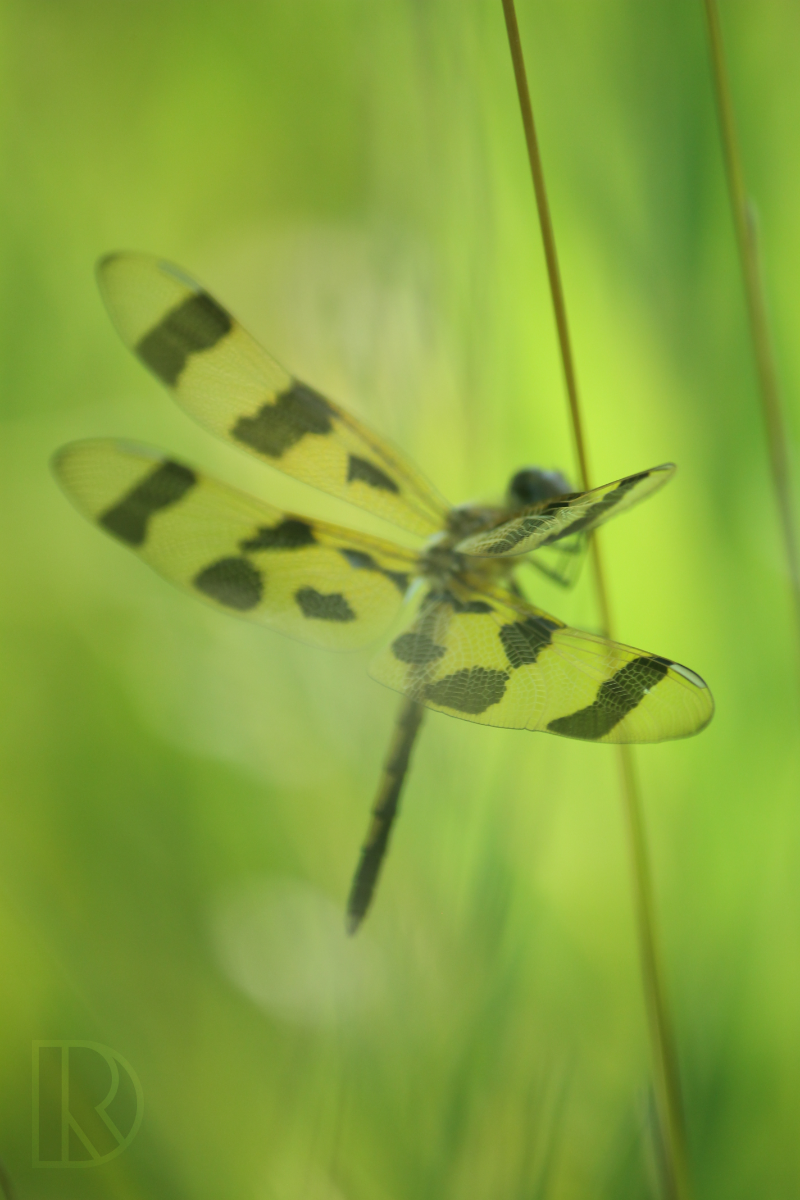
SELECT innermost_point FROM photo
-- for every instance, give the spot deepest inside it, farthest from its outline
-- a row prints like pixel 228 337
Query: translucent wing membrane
pixel 488 657
pixel 227 382
pixel 548 522
pixel 561 561
pixel 316 582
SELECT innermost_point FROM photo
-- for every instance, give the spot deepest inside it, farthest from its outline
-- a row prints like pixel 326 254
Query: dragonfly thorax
pixel 466 519
pixel 441 560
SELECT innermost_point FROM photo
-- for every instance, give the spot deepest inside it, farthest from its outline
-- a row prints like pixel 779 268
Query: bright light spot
pixel 284 945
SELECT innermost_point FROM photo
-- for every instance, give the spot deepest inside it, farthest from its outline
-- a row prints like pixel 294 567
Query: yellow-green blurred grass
pixel 350 179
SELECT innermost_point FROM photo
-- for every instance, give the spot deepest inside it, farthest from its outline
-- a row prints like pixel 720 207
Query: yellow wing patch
pixel 228 383
pixel 551 520
pixel 487 657
pixel 315 582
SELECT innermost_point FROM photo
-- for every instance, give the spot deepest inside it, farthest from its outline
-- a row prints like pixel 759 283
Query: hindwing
pixel 491 658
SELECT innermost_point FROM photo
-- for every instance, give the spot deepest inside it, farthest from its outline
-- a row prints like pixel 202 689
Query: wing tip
pixel 58 463
pixel 105 261
pixel 701 691
pixel 61 458
pixel 690 675
pixel 108 263
pixel 70 451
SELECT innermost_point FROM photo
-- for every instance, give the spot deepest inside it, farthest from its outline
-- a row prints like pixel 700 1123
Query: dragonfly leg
pixel 384 811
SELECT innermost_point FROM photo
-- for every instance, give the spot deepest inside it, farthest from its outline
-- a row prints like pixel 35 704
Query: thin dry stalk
pixel 752 276
pixel 669 1105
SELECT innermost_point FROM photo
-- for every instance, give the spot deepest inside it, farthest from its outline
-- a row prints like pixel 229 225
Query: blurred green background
pixel 184 795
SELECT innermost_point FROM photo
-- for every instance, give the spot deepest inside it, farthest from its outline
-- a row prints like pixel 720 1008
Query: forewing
pixel 227 382
pixel 315 582
pixel 487 657
pixel 548 522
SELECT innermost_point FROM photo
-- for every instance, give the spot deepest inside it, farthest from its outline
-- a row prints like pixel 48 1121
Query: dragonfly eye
pixel 532 484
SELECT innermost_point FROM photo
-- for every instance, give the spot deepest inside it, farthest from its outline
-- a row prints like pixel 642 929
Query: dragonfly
pixel 472 645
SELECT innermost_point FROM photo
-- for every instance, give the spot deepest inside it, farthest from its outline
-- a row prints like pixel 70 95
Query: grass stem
pixel 750 257
pixel 669 1106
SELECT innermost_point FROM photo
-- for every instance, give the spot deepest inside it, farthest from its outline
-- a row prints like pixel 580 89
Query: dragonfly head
pixel 531 485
